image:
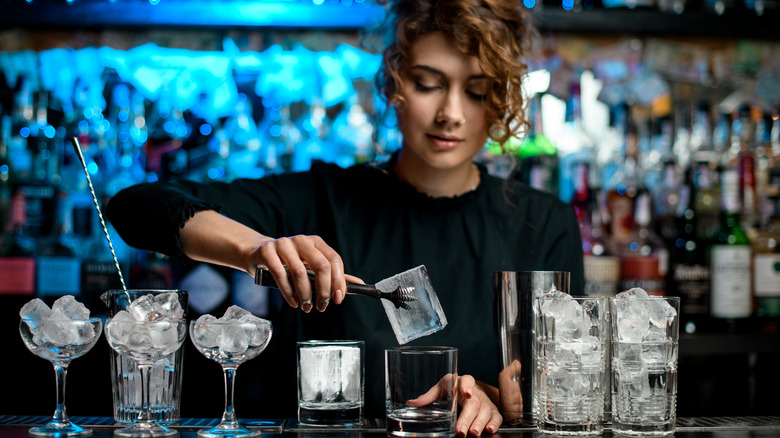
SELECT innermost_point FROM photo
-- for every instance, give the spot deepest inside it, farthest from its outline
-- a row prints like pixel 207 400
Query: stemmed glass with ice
pixel 231 340
pixel 59 334
pixel 152 327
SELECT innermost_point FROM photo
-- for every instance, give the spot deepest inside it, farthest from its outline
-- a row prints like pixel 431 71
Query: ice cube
pixel 145 308
pixel 58 330
pixel 71 308
pixel 232 340
pixel 257 332
pixel 661 313
pixel 234 312
pixel 635 292
pixel 206 334
pixel 163 334
pixel 35 311
pixel 425 315
pixel 139 341
pixel 168 304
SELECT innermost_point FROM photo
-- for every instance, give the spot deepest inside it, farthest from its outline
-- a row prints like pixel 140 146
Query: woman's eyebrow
pixel 438 72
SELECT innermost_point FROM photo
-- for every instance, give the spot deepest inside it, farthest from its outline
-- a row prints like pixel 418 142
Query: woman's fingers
pixel 298 254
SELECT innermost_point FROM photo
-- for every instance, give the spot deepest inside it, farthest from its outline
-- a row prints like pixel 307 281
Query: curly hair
pixel 498 32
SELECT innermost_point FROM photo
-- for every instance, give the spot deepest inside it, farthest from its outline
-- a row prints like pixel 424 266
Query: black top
pixel 380 226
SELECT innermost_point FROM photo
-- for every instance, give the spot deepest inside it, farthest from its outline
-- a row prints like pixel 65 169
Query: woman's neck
pixel 438 182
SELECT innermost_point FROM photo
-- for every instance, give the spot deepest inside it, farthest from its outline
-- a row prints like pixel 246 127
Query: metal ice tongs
pixel 399 296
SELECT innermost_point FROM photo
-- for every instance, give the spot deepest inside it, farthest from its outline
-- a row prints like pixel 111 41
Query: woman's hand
pixel 297 254
pixel 478 413
pixel 210 237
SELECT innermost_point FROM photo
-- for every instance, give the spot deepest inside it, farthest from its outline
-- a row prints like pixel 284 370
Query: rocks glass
pixel 230 341
pixel 54 336
pixel 420 391
pixel 572 354
pixel 330 383
pixel 645 336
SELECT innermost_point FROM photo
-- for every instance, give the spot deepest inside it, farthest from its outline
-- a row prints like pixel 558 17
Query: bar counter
pixel 15 426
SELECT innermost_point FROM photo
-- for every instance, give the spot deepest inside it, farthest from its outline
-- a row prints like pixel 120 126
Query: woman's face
pixel 443 119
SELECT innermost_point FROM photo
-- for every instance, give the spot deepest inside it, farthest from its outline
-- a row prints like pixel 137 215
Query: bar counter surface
pixel 16 426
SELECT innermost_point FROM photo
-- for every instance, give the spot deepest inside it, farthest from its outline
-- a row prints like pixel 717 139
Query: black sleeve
pixel 150 215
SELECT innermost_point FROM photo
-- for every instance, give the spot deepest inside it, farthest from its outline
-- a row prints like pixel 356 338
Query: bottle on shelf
pixel 58 266
pixel 17 264
pixel 644 257
pixel 537 155
pixel 766 271
pixel 688 276
pixel 731 302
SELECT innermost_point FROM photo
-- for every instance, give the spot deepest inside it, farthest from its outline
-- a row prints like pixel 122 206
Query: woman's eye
pixel 422 87
pixel 476 96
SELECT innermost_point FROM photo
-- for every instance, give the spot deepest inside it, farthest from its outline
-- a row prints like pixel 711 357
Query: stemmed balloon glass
pixel 60 340
pixel 145 342
pixel 230 342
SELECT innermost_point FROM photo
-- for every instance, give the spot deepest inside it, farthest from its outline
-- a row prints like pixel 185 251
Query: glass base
pixel 145 430
pixel 51 429
pixel 571 429
pixel 228 430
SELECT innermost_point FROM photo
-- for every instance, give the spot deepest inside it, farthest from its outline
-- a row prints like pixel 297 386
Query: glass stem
pixel 229 416
pixel 60 372
pixel 145 415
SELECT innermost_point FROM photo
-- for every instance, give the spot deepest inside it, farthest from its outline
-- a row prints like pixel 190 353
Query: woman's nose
pixel 451 110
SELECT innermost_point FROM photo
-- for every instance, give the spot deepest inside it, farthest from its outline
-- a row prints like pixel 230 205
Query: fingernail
pixel 322 305
pixel 306 306
pixel 340 294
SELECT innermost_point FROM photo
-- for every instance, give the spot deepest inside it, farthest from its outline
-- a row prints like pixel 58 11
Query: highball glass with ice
pixel 572 335
pixel 645 335
pixel 330 383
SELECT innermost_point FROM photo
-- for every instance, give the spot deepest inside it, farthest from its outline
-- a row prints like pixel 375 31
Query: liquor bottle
pixel 667 202
pixel 644 258
pixel 58 267
pixel 766 271
pixel 538 156
pixel 623 182
pixel 689 273
pixel 746 160
pixel 17 264
pixel 601 264
pixel 6 174
pixel 730 262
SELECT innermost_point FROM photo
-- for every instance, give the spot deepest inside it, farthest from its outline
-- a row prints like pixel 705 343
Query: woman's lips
pixel 444 142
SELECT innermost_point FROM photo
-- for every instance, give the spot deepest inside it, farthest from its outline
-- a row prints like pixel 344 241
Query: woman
pixel 453 76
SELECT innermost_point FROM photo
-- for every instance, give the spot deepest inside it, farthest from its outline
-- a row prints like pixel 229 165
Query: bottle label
pixel 18 275
pixel 643 272
pixel 766 275
pixel 691 283
pixel 58 275
pixel 602 275
pixel 731 295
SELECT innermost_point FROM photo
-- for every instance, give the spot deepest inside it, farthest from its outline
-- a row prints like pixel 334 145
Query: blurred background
pixel 656 120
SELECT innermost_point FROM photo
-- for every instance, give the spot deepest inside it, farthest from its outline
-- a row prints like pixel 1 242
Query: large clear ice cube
pixel 425 315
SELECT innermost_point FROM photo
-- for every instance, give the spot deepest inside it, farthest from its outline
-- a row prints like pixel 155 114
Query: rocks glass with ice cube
pixel 645 336
pixel 231 340
pixel 145 338
pixel 572 340
pixel 330 383
pixel 59 335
